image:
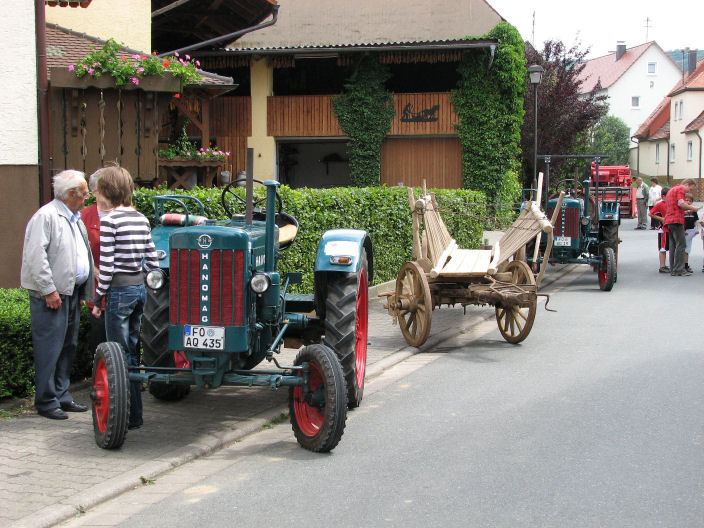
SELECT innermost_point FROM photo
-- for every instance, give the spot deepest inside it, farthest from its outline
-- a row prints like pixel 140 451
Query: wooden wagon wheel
pixel 414 304
pixel 515 322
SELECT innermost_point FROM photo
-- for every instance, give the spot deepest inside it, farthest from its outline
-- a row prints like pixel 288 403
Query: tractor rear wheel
pixel 607 269
pixel 318 408
pixel 516 321
pixel 155 344
pixel 346 326
pixel 110 395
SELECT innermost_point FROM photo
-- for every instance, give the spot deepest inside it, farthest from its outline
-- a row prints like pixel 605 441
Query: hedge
pixel 381 211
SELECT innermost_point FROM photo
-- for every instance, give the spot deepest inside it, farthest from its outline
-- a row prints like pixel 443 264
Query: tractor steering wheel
pixel 229 191
pixel 568 183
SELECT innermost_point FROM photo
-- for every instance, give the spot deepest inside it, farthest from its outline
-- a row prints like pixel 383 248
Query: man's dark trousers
pixel 54 338
pixel 677 247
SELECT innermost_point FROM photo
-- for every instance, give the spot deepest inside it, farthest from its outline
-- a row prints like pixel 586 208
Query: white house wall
pixel 692 104
pixel 18 78
pixel 649 88
pixel 644 159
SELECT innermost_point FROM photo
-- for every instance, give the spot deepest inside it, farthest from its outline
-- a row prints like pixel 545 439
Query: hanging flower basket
pixel 166 82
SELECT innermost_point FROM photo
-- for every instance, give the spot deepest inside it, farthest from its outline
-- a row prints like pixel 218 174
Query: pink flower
pixel 71 67
pixel 140 69
pixel 176 54
pixel 188 153
pixel 197 63
pixel 96 64
pixel 135 81
pixel 227 153
pixel 188 57
pixel 90 71
pixel 136 57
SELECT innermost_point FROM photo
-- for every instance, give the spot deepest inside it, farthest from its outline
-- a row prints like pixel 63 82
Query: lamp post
pixel 536 75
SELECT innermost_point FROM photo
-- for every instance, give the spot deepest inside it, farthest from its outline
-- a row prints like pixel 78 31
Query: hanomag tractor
pixel 586 229
pixel 217 308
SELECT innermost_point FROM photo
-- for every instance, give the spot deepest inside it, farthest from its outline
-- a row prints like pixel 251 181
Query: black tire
pixel 609 233
pixel 110 395
pixel 318 410
pixel 346 326
pixel 607 269
pixel 155 344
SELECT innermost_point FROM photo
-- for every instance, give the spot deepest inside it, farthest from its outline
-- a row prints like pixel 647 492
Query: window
pixel 676 107
pixel 689 150
pixel 657 153
pixel 681 109
pixel 651 68
pixel 635 101
pixel 672 153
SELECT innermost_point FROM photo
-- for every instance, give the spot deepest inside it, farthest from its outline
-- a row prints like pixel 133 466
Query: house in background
pixel 670 140
pixel 634 79
pixel 289 72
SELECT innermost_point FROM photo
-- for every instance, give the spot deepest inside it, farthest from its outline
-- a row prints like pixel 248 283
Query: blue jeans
pixel 124 307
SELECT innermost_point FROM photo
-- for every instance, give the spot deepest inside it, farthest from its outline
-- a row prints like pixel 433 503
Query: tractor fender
pixel 344 243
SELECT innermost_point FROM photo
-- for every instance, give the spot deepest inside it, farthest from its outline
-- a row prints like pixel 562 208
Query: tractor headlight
pixel 260 282
pixel 585 220
pixel 156 279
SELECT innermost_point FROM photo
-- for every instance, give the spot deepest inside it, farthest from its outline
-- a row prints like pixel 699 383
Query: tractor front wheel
pixel 318 408
pixel 607 269
pixel 346 326
pixel 155 344
pixel 110 395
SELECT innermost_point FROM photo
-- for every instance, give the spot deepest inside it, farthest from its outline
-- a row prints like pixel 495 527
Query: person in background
pixel 675 206
pixel 127 254
pixel 653 196
pixel 91 216
pixel 657 215
pixel 642 203
pixel 690 230
pixel 57 270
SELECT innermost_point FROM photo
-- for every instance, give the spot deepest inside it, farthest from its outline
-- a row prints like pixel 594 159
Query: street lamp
pixel 536 75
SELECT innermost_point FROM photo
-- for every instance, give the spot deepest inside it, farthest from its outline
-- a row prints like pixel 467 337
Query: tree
pixel 610 136
pixel 563 113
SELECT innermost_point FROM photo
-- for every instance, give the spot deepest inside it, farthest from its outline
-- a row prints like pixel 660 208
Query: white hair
pixel 93 180
pixel 67 180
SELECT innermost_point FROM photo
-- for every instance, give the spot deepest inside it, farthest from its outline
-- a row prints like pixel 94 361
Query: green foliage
pixel 610 136
pixel 130 69
pixel 182 147
pixel 16 360
pixel 489 103
pixel 364 113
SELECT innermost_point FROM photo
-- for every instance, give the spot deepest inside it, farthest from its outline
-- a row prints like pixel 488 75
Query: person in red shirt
pixel 675 206
pixel 657 215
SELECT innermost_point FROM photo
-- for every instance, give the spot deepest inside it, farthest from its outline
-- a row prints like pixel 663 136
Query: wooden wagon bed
pixel 443 273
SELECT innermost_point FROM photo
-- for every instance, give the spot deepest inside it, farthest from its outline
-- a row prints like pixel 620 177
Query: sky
pixel 599 24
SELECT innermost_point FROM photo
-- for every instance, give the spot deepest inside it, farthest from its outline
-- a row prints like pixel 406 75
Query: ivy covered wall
pixel 489 102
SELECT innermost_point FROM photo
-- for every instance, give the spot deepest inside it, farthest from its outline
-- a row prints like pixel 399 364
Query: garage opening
pixel 317 164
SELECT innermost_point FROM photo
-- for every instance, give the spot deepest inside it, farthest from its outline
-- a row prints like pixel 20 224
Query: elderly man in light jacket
pixel 57 270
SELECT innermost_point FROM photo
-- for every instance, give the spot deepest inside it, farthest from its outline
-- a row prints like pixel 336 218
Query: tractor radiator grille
pixel 207 288
pixel 567 226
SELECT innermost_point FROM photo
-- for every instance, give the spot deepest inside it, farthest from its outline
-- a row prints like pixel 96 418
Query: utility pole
pixel 647 27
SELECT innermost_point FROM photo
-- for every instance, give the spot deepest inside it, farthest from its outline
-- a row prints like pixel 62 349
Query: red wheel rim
pixel 361 329
pixel 309 418
pixel 603 269
pixel 102 395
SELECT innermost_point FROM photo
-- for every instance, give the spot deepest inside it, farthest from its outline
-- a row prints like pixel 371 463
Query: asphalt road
pixel 596 420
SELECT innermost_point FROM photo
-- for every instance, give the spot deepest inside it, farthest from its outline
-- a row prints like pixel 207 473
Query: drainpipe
pixel 700 162
pixel 229 36
pixel 42 102
pixel 635 140
pixel 667 172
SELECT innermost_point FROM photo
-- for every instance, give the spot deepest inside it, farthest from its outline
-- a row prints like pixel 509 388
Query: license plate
pixel 563 241
pixel 204 337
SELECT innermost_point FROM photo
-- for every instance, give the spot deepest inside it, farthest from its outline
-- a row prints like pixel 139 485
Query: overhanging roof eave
pixel 313 50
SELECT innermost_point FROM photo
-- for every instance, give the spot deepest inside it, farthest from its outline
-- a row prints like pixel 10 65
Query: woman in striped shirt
pixel 127 254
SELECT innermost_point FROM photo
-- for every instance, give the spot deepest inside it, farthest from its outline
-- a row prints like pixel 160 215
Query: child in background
pixel 657 214
pixel 690 230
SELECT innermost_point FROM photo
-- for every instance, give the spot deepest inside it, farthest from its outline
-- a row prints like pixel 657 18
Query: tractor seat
pixel 288 229
pixel 179 219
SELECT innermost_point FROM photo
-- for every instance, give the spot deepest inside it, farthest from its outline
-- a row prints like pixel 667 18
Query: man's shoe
pixel 74 407
pixel 685 273
pixel 665 269
pixel 135 426
pixel 687 268
pixel 53 414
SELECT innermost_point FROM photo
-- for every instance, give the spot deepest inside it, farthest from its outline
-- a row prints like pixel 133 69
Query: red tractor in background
pixel 617 176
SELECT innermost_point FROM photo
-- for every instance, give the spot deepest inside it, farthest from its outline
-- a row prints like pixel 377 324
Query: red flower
pixel 177 96
pixel 124 59
pixel 154 53
pixel 166 63
pixel 142 56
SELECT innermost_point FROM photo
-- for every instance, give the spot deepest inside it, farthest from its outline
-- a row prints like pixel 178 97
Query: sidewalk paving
pixel 52 470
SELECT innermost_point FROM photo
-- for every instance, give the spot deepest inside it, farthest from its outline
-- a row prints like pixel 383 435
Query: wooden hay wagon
pixel 441 273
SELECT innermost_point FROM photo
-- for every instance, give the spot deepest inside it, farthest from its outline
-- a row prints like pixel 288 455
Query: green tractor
pixel 217 308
